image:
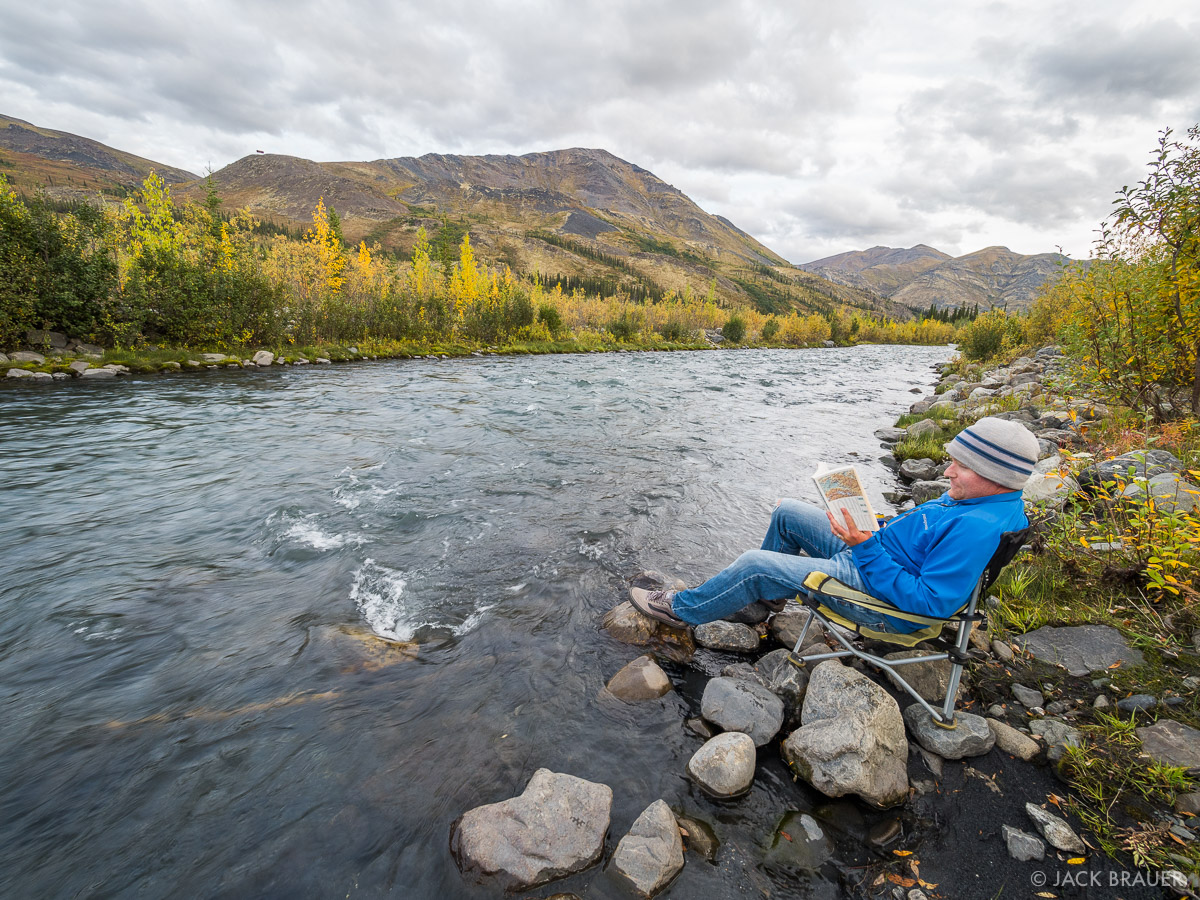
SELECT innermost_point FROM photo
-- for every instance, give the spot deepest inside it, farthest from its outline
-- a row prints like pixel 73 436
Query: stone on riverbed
pixel 1023 846
pixel 26 356
pixel 784 680
pixel 727 636
pixel 1171 743
pixel 724 766
pixel 1057 734
pixel 651 854
pixel 852 740
pixel 553 829
pixel 627 625
pixel 1010 740
pixel 923 491
pixel 642 679
pixel 735 705
pixel 787 627
pixel 929 679
pixel 971 737
pixel 1056 831
pixel 1080 648
pixel 799 843
pixel 98 373
pixel 263 358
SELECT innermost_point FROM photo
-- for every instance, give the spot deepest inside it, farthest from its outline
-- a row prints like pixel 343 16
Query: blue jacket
pixel 928 559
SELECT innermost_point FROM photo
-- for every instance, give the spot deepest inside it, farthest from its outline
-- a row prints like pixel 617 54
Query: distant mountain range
pixel 920 276
pixel 581 215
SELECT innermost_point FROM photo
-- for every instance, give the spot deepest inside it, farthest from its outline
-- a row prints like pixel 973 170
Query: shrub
pixel 990 334
pixel 770 328
pixel 549 316
pixel 734 329
pixel 677 332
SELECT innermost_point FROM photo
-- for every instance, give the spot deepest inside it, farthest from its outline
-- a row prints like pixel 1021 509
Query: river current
pixel 268 633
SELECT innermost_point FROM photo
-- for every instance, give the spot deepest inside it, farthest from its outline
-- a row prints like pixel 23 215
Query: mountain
pixel 68 164
pixel 922 276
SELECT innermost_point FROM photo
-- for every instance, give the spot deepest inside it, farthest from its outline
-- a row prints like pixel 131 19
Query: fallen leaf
pixel 683 831
pixel 1177 839
pixel 1116 665
pixel 903 852
pixel 926 884
pixel 902 881
pixel 786 835
pixel 878 881
pixel 1076 861
pixel 1045 894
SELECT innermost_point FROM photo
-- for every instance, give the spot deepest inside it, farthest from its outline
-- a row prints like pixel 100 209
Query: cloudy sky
pixel 818 127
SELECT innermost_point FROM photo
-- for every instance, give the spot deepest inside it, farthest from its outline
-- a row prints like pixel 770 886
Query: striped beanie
pixel 1001 451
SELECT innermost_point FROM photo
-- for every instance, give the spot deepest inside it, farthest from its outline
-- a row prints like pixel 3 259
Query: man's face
pixel 966 484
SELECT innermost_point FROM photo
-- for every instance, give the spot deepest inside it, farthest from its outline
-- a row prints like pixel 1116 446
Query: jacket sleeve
pixel 954 561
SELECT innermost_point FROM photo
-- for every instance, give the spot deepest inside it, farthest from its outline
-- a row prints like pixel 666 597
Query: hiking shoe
pixel 656 605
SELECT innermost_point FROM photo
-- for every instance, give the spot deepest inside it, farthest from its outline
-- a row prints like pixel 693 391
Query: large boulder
pixel 651 854
pixel 553 829
pixel 783 679
pixel 929 679
pixel 922 427
pixel 724 766
pixel 924 491
pixel 924 469
pixel 26 356
pixel 852 738
pixel 1133 466
pixel 736 705
pixel 1170 492
pixel 789 625
pixel 1081 649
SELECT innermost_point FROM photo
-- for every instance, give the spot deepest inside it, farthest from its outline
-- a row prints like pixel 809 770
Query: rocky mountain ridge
pixel 921 276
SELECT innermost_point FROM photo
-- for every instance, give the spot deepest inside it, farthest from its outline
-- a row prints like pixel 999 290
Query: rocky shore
pixel 984 791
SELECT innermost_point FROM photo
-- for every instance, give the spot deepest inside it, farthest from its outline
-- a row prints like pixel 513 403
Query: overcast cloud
pixel 816 127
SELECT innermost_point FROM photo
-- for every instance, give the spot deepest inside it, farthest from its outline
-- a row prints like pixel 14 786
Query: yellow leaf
pixel 1077 861
pixel 903 852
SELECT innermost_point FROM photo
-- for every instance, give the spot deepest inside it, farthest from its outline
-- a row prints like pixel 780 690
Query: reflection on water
pixel 201 572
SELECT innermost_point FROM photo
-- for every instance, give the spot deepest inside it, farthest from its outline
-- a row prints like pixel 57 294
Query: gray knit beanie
pixel 1001 451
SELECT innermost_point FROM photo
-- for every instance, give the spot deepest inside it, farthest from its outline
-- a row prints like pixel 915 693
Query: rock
pixel 1171 493
pixel 783 679
pixel 1188 804
pixel 627 625
pixel 1171 743
pixel 1080 648
pixel 174 366
pixel 724 766
pixel 920 407
pixel 1137 702
pixel 918 469
pixel 89 349
pixel 799 843
pixel 884 832
pixel 734 705
pixel 642 679
pixel 55 340
pixel 1027 696
pixel 1010 740
pixel 41 376
pixel 553 829
pixel 696 725
pixel 890 435
pixel 787 626
pixel 699 837
pixel 263 358
pixel 213 357
pixel 1057 734
pixel 972 736
pixel 929 679
pixel 924 491
pixel 19 373
pixel 323 361
pixel 651 854
pixel 727 636
pixel 852 738
pixel 1049 487
pixel 1132 466
pixel 60 376
pixel 1058 707
pixel 1002 651
pixel 923 427
pixel 3 358
pixel 1022 846
pixel 98 373
pixel 79 366
pixel 1101 702
pixel 1056 831
pixel 26 356
pixel 888 461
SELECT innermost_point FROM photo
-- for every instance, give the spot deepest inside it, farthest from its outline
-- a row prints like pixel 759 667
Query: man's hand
pixel 848 532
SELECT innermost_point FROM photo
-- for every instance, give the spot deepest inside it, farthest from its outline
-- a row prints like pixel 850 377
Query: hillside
pixel 67 164
pixel 922 276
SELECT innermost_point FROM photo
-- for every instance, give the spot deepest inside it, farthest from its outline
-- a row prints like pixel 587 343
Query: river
pixel 198 569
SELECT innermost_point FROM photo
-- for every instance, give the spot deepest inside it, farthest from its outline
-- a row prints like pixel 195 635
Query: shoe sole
pixel 637 596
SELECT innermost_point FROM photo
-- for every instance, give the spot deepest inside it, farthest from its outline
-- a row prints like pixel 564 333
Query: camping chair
pixel 818 585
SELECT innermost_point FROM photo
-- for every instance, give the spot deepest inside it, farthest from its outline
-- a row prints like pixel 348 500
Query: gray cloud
pixel 817 127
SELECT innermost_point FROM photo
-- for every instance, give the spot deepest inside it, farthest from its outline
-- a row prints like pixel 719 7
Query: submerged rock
pixel 799 843
pixel 641 679
pixel 651 854
pixel 627 625
pixel 852 738
pixel 727 636
pixel 554 828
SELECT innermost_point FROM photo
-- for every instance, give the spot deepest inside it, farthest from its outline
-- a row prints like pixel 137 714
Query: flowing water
pixel 269 633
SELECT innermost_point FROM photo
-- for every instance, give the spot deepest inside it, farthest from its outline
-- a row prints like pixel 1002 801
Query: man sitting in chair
pixel 925 561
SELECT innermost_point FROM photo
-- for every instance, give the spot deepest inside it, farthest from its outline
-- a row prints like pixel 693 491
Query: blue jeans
pixel 777 571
